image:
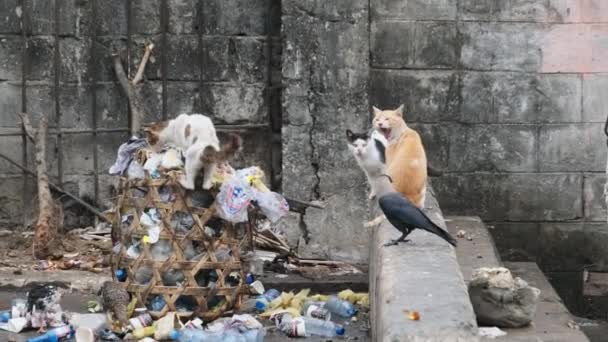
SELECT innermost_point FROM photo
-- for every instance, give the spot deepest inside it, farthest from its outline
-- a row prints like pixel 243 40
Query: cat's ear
pixel 399 111
pixel 376 110
pixel 349 135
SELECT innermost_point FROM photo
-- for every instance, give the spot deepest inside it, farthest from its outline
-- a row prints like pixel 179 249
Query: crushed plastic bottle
pixel 316 310
pixel 55 335
pixel 143 275
pixel 292 327
pixel 161 250
pixel 254 335
pixel 263 301
pixel 340 307
pixel 173 277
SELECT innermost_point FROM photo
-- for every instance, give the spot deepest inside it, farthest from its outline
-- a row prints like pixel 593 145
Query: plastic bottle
pixel 254 335
pixel 121 274
pixel 55 335
pixel 265 299
pixel 316 310
pixel 320 327
pixel 233 336
pixel 292 327
pixel 195 335
pixel 340 307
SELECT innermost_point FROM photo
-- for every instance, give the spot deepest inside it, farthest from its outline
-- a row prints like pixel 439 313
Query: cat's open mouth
pixel 386 132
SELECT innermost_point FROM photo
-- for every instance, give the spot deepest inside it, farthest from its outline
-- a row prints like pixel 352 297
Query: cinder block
pixel 499 197
pixel 517 241
pixel 184 17
pixel 240 17
pixel 14 152
pixel 595 101
pixel 74 17
pixel 233 104
pixel 576 147
pixel 392 44
pixel 501 46
pixel 428 96
pixel 112 17
pixel 182 97
pixel 112 107
pixel 77 154
pixel 436 45
pixel 296 163
pixel 152 95
pixel 40 55
pixel 492 148
pixel 11 202
pixel 520 98
pixel 183 58
pixel 479 10
pixel 11 58
pixel 10 103
pixel 108 144
pixel 416 10
pixel 74 60
pixel 595 202
pixel 10 21
pixel 436 141
pixel 75 103
pixel 146 16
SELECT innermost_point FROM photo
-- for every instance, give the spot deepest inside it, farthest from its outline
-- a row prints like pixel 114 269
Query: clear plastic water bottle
pixel 316 309
pixel 323 328
pixel 233 336
pixel 340 307
pixel 254 335
pixel 55 335
pixel 265 299
pixel 195 335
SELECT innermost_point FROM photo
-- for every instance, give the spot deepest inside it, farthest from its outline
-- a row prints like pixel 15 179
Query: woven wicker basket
pixel 208 237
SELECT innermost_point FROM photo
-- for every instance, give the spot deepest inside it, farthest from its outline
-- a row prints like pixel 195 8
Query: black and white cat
pixel 369 152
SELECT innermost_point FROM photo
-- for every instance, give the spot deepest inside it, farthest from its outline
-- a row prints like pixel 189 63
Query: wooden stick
pixel 298 206
pixel 60 190
pixel 142 65
pixel 135 105
pixel 27 126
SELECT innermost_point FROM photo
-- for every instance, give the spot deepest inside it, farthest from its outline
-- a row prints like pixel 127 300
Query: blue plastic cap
pixel 5 317
pixel 249 278
pixel 121 275
pixel 260 305
pixel 340 331
pixel 351 312
pixel 174 334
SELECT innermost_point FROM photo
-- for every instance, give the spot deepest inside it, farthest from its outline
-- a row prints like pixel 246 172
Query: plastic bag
pixel 272 204
pixel 233 199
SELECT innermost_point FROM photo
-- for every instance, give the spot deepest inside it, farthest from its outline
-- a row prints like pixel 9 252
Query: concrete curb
pixel 74 280
pixel 422 275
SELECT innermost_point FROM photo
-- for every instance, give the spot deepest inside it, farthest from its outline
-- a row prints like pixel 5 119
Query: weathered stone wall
pixel 325 76
pixel 510 98
pixel 209 57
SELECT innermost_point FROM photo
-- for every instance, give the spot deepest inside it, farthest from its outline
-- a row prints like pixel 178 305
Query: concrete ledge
pixel 421 275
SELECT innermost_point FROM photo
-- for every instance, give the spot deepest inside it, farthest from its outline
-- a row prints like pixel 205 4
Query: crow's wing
pixel 403 214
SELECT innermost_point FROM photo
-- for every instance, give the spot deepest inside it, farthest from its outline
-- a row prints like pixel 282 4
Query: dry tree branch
pixel 50 214
pixel 142 65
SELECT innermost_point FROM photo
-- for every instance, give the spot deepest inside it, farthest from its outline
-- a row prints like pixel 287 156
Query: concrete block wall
pixel 210 57
pixel 325 78
pixel 509 97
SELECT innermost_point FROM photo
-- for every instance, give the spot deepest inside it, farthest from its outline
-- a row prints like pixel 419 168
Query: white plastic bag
pixel 272 204
pixel 233 199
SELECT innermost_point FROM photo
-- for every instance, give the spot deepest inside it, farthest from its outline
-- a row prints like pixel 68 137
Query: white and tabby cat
pixel 195 135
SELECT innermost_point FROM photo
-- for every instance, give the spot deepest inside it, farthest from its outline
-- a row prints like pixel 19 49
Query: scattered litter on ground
pixel 461 233
pixel 491 332
pixel 412 315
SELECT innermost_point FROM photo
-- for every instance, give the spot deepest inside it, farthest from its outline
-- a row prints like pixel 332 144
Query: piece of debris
pixel 573 325
pixel 491 332
pixel 461 233
pixel 412 315
pixel 501 300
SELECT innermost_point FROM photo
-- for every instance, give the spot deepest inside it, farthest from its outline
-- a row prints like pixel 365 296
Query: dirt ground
pixel 70 252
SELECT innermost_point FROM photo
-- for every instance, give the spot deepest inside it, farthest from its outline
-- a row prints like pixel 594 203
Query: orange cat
pixel 405 156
